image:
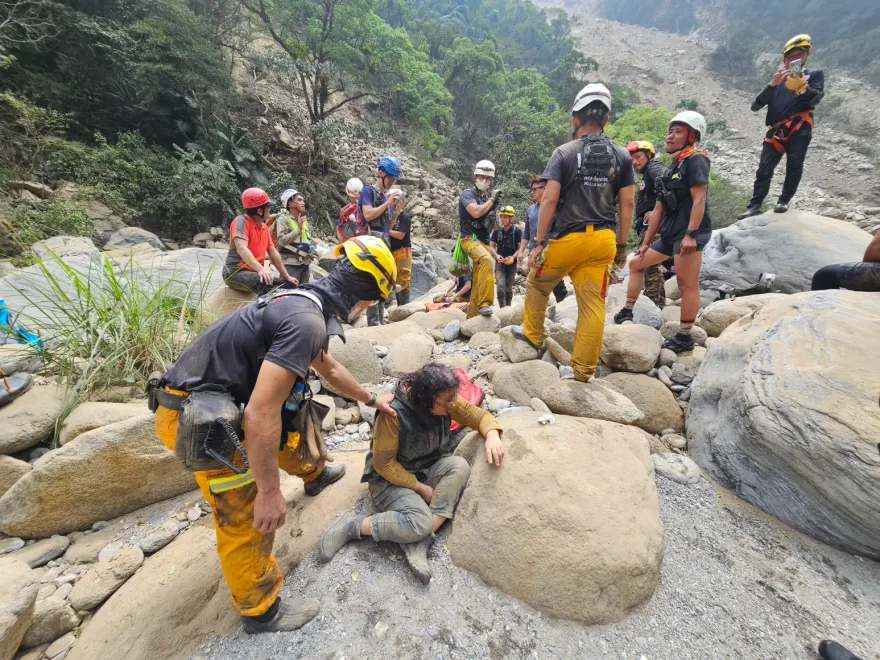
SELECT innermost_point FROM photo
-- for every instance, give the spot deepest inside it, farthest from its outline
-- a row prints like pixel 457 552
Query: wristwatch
pixel 692 232
pixel 372 401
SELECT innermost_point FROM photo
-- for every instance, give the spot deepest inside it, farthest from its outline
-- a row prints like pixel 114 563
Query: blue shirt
pixel 371 196
pixel 531 228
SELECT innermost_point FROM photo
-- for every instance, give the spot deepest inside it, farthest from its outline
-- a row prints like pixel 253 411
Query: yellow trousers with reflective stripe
pixel 585 258
pixel 251 571
pixel 403 260
pixel 483 277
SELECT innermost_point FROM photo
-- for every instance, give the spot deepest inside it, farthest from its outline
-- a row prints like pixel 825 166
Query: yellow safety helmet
pixel 371 255
pixel 640 145
pixel 800 41
pixel 507 210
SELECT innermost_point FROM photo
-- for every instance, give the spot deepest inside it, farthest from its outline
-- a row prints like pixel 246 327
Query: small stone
pixel 41 552
pixel 452 330
pixel 51 574
pixel 364 429
pixel 676 467
pixel 180 515
pixel 194 513
pixel 59 646
pixel 159 537
pixel 65 579
pixel 667 357
pixel 381 351
pixel 46 590
pixel 681 374
pixel 11 544
pixel 678 388
pixel 340 403
pixel 351 429
pixel 666 432
pixel 109 550
pixel 566 373
pixel 498 404
pixel 101 524
pixel 64 590
pixel 685 395
pixel 513 410
pixel 674 441
pixel 380 629
pixel 105 577
pixel 664 375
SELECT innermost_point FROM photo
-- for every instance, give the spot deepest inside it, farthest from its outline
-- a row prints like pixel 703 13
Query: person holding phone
pixel 790 98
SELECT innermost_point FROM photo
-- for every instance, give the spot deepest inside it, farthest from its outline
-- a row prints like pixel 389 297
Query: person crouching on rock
pixel 414 479
pixel 257 356
pixel 683 204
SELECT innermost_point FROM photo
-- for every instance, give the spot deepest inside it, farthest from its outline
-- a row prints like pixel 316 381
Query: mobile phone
pixel 796 67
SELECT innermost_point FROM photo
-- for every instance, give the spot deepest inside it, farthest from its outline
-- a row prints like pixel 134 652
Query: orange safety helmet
pixel 253 198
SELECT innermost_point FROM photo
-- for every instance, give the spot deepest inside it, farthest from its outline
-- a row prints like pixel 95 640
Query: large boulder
pixel 737 255
pixel 358 356
pixel 595 399
pixel 523 381
pixel 423 277
pixel 64 247
pixel 30 418
pixel 52 618
pixel 105 577
pixel 658 405
pixel 93 414
pixel 178 598
pixel 222 301
pixel 784 411
pixel 18 594
pixel 11 470
pixel 18 357
pixel 631 347
pixel 407 354
pixel 585 545
pixel 439 318
pixel 479 323
pixel 515 349
pixel 385 334
pixel 102 474
pixel 715 318
pixel 128 236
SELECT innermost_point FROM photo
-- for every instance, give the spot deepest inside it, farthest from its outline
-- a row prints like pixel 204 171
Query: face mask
pixel 482 184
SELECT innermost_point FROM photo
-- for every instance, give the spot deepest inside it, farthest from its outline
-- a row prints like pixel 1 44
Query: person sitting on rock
pixel 293 236
pixel 401 244
pixel 863 275
pixel 578 236
pixel 681 216
pixel 249 242
pixel 504 246
pixel 459 290
pixel 414 479
pixel 349 225
pixel 790 97
pixel 259 355
pixel 476 220
pixel 642 153
pixel 536 190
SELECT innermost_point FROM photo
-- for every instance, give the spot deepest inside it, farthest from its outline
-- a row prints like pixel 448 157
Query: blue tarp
pixel 19 333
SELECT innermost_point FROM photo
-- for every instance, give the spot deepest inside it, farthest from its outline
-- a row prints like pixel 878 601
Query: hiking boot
pixel 12 387
pixel 346 528
pixel 749 212
pixel 518 332
pixel 417 556
pixel 679 343
pixel 403 297
pixel 829 650
pixel 623 315
pixel 330 474
pixel 288 616
pixel 486 311
pixel 781 207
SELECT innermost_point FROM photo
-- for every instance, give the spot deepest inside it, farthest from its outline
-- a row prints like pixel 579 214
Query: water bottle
pixel 295 398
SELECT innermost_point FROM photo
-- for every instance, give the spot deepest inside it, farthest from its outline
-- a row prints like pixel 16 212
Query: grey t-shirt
pixel 225 354
pixel 469 225
pixel 531 227
pixel 593 201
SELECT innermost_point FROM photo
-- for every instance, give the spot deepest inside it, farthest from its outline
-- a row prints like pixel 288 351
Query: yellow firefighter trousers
pixel 251 571
pixel 483 279
pixel 585 258
pixel 403 259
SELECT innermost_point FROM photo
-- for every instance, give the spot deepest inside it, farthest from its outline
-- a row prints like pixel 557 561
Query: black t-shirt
pixel 593 201
pixel 470 226
pixel 225 354
pixel 647 193
pixel 692 171
pixel 506 242
pixel 781 102
pixel 404 224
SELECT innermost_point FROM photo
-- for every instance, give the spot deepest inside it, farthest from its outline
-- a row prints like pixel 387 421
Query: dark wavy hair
pixel 420 387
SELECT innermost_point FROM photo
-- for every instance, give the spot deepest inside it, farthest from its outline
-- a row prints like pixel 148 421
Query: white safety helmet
pixel 590 94
pixel 287 195
pixel 485 167
pixel 397 191
pixel 693 119
pixel 354 185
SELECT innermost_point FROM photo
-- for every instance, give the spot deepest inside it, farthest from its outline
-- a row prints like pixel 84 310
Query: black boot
pixel 749 212
pixel 679 343
pixel 625 314
pixel 829 650
pixel 330 474
pixel 403 297
pixel 781 207
pixel 283 617
pixel 346 528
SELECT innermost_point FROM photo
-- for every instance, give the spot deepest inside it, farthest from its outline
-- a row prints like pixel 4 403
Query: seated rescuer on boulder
pixel 683 205
pixel 536 189
pixel 401 244
pixel 586 179
pixel 293 236
pixel 249 242
pixel 642 153
pixel 790 97
pixel 414 479
pixel 504 246
pixel 296 325
pixel 476 220
pixel 859 276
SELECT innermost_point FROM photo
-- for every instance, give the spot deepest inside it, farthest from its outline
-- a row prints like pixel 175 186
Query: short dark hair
pixel 537 178
pixel 420 387
pixel 595 113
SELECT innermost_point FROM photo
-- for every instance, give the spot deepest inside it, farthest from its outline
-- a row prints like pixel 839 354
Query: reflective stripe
pixel 222 484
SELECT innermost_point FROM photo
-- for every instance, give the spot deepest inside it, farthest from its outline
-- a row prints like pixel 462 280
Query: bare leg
pixel 637 269
pixel 687 272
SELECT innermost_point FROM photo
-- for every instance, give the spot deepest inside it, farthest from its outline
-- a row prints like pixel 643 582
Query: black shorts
pixel 670 248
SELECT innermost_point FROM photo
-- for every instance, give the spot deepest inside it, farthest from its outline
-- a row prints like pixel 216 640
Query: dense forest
pixel 846 32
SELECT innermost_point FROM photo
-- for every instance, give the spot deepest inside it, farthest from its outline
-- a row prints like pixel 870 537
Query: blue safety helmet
pixel 389 165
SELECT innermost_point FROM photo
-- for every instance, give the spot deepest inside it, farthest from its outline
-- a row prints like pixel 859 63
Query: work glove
pixel 496 198
pixel 796 84
pixel 620 257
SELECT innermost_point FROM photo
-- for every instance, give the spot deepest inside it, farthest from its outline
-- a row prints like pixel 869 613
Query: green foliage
pixel 726 201
pixel 106 327
pixel 688 104
pixel 58 217
pixel 641 123
pixel 26 132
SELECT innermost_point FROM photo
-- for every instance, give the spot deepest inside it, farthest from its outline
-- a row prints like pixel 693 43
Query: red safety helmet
pixel 253 198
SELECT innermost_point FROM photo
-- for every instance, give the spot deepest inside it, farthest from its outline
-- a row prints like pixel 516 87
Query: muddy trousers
pixel 795 153
pixel 403 515
pixel 483 281
pixel 505 275
pixel 243 279
pixel 585 257
pixel 300 271
pixel 858 276
pixel 251 571
pixel 655 288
